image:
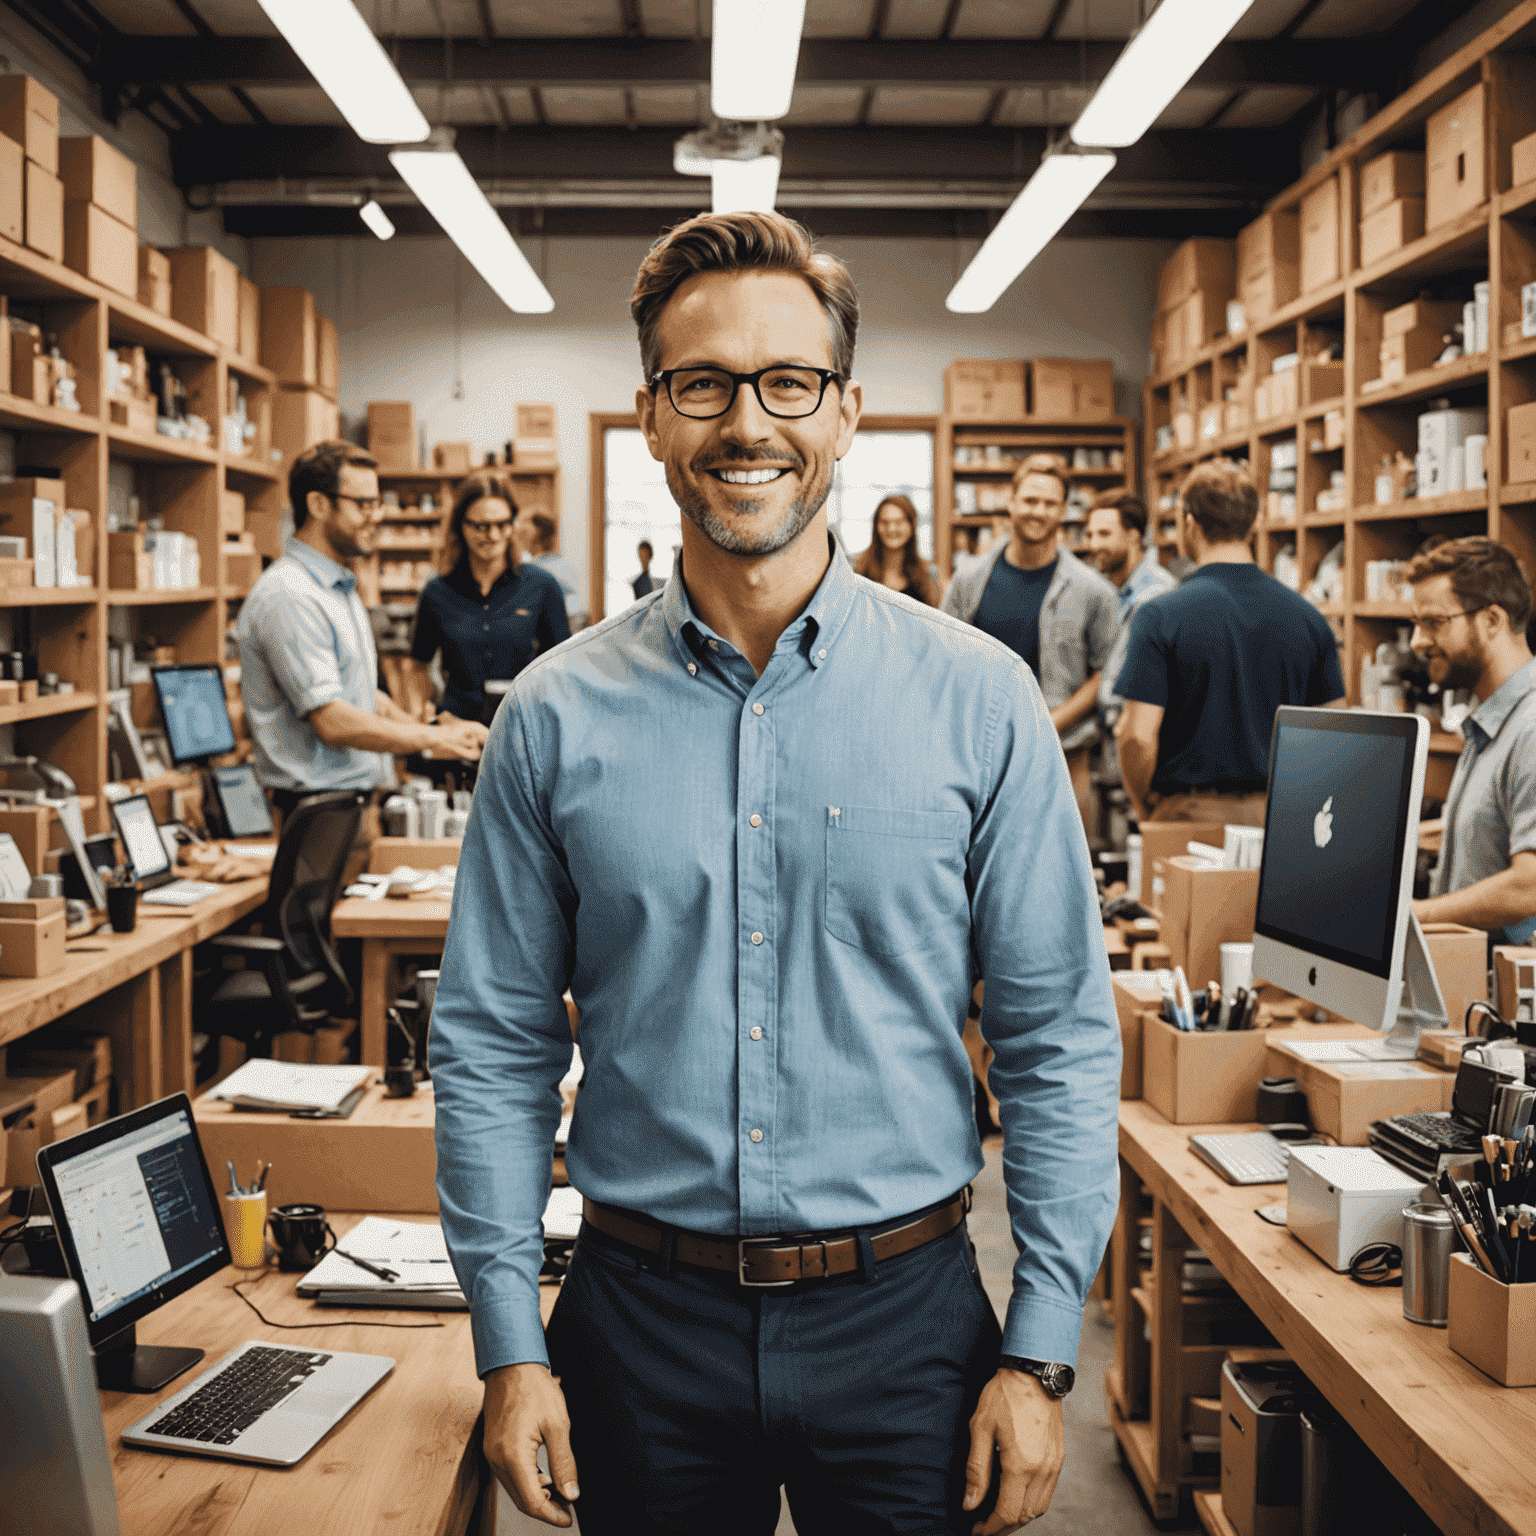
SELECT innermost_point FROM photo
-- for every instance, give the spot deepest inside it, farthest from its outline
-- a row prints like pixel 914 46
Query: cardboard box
pixel 1234 417
pixel 1320 236
pixel 1389 229
pixel 1201 1079
pixel 205 293
pixel 1204 319
pixel 154 279
pixel 453 458
pixel 29 826
pixel 1420 315
pixel 1407 353
pixel 1389 177
pixel 44 214
pixel 1199 265
pixel 1136 993
pixel 1491 1324
pixel 1161 841
pixel 300 418
pixel 135 415
pixel 241 567
pixel 974 390
pixel 32 946
pixel 327 357
pixel 1325 381
pixel 265 530
pixel 1203 909
pixel 93 172
pixel 231 512
pixel 1268 263
pixel 1506 958
pixel 30 116
pixel 1343 1103
pixel 13 197
pixel 1520 431
pixel 14 573
pixel 130 566
pixel 89 1057
pixel 1072 389
pixel 102 248
pixel 30 509
pixel 392 432
pixel 1456 160
pixel 1460 958
pixel 248 298
pixel 288 334
pixel 1186 429
pixel 1522 161
pixel 84 532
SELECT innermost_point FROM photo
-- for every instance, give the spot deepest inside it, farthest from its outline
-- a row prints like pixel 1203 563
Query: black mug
pixel 300 1232
pixel 123 907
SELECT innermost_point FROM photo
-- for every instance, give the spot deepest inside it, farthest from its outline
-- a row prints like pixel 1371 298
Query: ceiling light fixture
pixel 1053 194
pixel 444 187
pixel 339 49
pixel 752 58
pixel 1155 66
pixel 744 186
pixel 376 219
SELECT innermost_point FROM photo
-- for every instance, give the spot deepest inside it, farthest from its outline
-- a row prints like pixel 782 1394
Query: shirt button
pixel 756 821
pixel 756 1135
pixel 691 669
pixel 756 1032
pixel 714 645
pixel 757 938
pixel 822 655
pixel 757 709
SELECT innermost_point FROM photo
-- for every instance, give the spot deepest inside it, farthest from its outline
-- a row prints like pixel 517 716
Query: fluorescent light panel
pixel 339 49
pixel 744 186
pixel 752 58
pixel 1054 193
pixel 376 220
pixel 444 187
pixel 1156 65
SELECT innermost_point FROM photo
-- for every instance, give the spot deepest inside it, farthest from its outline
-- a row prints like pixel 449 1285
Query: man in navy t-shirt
pixel 1208 665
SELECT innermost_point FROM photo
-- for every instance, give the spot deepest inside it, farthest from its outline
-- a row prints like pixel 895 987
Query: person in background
pixel 1054 610
pixel 1207 666
pixel 643 584
pixel 537 532
pixel 892 557
pixel 308 666
pixel 1471 604
pixel 491 613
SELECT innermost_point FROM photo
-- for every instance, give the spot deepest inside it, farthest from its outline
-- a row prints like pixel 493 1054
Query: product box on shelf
pixel 981 390
pixel 248 300
pixel 44 217
pixel 1234 416
pixel 1390 228
pixel 101 247
pixel 242 565
pixel 13 197
pixel 327 357
pixel 1204 318
pixel 1211 421
pixel 1325 381
pixel 1408 351
pixel 1185 429
pixel 1420 315
pixel 1456 160
pixel 1389 177
pixel 288 334
pixel 130 565
pixel 1268 263
pixel 1522 160
pixel 533 436
pixel 1198 265
pixel 301 417
pixel 231 512
pixel 1072 389
pixel 93 172
pixel 1520 433
pixel 453 458
pixel 136 415
pixel 29 509
pixel 30 116
pixel 155 279
pixel 205 293
pixel 392 434
pixel 1320 235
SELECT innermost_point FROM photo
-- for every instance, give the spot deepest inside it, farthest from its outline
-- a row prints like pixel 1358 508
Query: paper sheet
pixel 291 1084
pixel 415 1250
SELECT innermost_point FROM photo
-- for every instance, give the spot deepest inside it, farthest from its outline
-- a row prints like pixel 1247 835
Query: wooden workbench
pixel 388 928
pixel 1457 1441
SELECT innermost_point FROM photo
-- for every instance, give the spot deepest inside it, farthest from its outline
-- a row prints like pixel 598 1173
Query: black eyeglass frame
pixel 827 376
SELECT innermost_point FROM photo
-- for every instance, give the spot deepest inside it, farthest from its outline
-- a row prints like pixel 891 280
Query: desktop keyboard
pixel 231 1401
pixel 1437 1130
pixel 180 893
pixel 1249 1157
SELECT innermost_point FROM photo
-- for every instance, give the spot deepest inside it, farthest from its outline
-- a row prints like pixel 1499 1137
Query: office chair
pixel 293 978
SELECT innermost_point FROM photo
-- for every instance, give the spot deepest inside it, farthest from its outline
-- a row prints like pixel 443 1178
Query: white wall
pixel 394 305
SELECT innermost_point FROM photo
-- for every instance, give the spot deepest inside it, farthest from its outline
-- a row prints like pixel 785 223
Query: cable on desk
pixel 355 1323
pixel 1377 1264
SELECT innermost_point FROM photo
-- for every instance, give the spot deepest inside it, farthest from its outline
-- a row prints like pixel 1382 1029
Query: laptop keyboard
pixel 1439 1130
pixel 225 1406
pixel 180 893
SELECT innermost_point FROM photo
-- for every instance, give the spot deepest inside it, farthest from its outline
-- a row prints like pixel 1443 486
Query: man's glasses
pixel 490 530
pixel 372 504
pixel 1432 624
pixel 705 393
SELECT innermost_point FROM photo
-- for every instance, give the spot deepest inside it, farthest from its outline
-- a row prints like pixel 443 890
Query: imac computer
pixel 139 1223
pixel 1334 923
pixel 198 729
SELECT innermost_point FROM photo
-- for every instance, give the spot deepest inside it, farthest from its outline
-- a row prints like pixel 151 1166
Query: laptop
pixel 151 859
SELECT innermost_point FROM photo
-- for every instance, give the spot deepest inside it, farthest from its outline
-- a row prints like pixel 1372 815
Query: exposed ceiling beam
pixel 861 62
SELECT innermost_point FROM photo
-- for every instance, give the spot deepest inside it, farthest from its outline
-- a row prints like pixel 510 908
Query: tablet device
pixel 245 808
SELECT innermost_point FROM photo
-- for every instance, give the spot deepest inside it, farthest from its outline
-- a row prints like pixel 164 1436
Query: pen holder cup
pixel 1201 1079
pixel 300 1232
pixel 123 907
pixel 245 1225
pixel 1492 1324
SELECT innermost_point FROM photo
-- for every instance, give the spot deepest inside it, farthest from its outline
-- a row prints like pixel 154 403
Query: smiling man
pixel 768 825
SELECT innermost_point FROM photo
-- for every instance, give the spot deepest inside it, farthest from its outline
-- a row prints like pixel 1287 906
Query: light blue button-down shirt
pixel 305 640
pixel 770 897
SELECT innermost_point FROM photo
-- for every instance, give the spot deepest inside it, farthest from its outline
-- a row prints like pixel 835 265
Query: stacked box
pixel 154 279
pixel 1072 389
pixel 392 434
pixel 1193 290
pixel 29 116
pixel 533 435
pixel 327 358
pixel 288 343
pixel 1320 236
pixel 301 418
pixel 1268 264
pixel 1456 160
pixel 205 293
pixel 976 390
pixel 101 213
pixel 249 321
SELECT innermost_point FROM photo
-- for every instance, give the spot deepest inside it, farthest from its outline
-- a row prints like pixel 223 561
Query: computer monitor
pixel 192 704
pixel 138 1220
pixel 1334 922
pixel 242 804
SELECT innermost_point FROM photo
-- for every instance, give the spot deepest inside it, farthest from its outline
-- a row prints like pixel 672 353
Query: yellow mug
pixel 245 1224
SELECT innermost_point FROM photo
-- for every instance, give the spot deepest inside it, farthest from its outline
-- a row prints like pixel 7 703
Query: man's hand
pixel 1022 1421
pixel 457 738
pixel 524 1409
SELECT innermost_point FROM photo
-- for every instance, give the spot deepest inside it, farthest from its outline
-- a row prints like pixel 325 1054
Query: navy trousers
pixel 693 1399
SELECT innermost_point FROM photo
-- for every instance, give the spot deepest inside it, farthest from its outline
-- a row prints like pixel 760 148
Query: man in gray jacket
pixel 1056 612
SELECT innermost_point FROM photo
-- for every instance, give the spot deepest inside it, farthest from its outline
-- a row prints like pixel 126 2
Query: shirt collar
pixel 462 579
pixel 813 631
pixel 321 567
pixel 1490 715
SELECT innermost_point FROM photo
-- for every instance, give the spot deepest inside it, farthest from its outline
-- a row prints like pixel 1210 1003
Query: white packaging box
pixel 65 572
pixel 44 572
pixel 1480 293
pixel 1338 1199
pixel 1528 310
pixel 1440 431
pixel 1477 475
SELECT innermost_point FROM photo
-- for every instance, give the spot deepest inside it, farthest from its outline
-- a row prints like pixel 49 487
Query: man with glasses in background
pixel 308 666
pixel 1471 602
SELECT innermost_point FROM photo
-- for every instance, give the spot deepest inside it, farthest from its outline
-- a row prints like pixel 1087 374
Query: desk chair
pixel 293 978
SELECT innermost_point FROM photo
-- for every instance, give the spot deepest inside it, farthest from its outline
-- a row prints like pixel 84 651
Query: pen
pixel 373 1269
pixel 234 1187
pixel 261 1183
pixel 1493 1239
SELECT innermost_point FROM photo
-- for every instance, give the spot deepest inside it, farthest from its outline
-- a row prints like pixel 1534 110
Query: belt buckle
pixel 741 1265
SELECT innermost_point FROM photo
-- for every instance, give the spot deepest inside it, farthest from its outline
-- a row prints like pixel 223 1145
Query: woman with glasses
pixel 892 557
pixel 491 612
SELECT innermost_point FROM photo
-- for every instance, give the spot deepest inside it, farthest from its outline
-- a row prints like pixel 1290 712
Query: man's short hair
pixel 644 544
pixel 1051 464
pixel 1483 575
pixel 742 242
pixel 544 526
pixel 318 468
pixel 1222 498
pixel 1130 506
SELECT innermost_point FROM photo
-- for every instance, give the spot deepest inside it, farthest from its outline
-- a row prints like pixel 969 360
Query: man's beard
pixel 1463 671
pixel 695 506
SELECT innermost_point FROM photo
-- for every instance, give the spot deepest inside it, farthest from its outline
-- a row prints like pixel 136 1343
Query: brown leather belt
pixel 773 1261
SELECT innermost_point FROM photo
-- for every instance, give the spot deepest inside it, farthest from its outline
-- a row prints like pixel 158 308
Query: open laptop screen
pixel 135 819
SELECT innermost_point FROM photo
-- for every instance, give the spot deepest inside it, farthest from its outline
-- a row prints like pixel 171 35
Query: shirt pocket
pixel 894 877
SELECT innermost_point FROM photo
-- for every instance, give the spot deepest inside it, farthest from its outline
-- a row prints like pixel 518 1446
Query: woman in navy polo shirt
pixel 492 613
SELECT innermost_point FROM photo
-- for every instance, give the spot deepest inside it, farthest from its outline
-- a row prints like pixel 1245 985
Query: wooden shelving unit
pixel 960 459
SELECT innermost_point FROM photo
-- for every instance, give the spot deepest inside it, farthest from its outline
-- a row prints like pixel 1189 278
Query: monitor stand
pixel 122 1365
pixel 1422 1004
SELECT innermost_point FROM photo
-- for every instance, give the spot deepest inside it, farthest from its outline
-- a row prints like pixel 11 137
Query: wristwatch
pixel 1056 1378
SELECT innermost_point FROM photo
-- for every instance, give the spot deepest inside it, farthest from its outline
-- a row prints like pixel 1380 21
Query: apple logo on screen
pixel 1322 824
pixel 1312 977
